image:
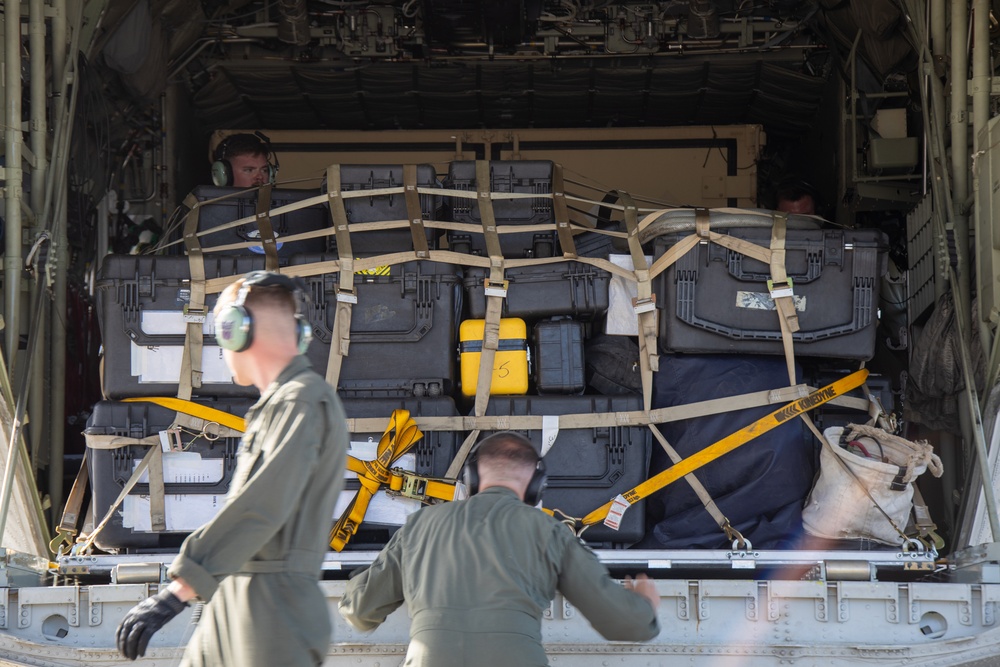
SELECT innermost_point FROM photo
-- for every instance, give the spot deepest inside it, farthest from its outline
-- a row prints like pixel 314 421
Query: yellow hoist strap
pixel 399 436
pixel 195 410
pixel 730 442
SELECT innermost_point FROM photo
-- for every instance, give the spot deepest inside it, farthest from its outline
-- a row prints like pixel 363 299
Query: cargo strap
pixel 413 212
pixel 644 304
pixel 560 211
pixel 265 229
pixel 195 311
pixel 400 435
pixel 495 288
pixel 725 445
pixel 67 530
pixel 202 412
pixel 347 296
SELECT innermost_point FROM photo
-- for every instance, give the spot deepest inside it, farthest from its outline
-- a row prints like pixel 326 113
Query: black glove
pixel 144 620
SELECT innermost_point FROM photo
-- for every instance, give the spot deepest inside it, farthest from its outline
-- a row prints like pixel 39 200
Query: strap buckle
pixel 413 486
pixel 496 287
pixel 782 289
pixel 646 305
pixel 345 295
pixel 194 315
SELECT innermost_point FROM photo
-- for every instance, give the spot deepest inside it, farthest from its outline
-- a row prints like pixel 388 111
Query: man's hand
pixel 645 587
pixel 144 620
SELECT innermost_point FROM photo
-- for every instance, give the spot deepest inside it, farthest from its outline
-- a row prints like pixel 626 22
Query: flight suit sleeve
pixel 615 612
pixel 377 591
pixel 288 453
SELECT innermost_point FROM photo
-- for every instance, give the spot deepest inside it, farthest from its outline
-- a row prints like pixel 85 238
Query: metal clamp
pixel 345 295
pixel 646 305
pixel 783 289
pixel 496 287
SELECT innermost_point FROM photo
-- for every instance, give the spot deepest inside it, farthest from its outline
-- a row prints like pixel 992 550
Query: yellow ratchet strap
pixel 399 437
pixel 195 410
pixel 727 444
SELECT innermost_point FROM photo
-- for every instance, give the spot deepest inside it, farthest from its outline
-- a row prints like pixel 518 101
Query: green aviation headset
pixel 234 323
pixel 222 169
pixel 536 486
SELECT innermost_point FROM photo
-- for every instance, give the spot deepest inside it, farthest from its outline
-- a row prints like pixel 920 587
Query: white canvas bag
pixel 883 464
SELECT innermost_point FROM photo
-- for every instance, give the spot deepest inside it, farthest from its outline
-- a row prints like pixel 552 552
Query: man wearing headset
pixel 258 561
pixel 477 574
pixel 243 161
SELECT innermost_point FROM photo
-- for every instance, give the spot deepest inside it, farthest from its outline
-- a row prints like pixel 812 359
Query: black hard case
pixel 566 288
pixel 559 360
pixel 215 214
pixel 404 329
pixel 129 286
pixel 355 177
pixel 715 300
pixel 589 467
pixel 110 469
pixel 522 176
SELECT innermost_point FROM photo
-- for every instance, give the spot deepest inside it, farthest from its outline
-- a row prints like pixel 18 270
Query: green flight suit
pixel 476 575
pixel 257 562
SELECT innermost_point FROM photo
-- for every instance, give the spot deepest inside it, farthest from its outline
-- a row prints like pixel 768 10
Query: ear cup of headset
pixel 222 173
pixel 234 327
pixel 305 332
pixel 536 487
pixel 470 475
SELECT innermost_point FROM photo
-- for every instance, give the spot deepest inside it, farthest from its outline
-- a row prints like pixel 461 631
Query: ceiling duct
pixel 500 24
pixel 703 19
pixel 293 22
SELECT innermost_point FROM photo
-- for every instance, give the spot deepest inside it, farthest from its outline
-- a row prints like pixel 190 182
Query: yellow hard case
pixel 510 365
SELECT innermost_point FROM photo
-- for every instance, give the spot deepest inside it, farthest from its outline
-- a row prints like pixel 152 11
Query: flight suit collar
pixel 297 365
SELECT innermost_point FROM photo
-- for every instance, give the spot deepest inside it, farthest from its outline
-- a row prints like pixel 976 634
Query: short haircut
pixel 261 297
pixel 240 144
pixel 505 450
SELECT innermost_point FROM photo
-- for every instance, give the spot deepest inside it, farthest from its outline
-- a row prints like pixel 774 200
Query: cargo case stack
pixel 416 336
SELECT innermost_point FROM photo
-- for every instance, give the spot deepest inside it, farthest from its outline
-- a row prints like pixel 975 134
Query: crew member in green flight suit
pixel 257 562
pixel 477 574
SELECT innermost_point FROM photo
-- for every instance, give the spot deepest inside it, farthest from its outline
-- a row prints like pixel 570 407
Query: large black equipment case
pixel 717 300
pixel 404 328
pixel 216 214
pixel 434 451
pixel 588 467
pixel 141 308
pixel 385 207
pixel 110 469
pixel 533 292
pixel 521 176
pixel 559 365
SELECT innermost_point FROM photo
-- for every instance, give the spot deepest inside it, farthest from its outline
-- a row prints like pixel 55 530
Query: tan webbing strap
pixel 780 288
pixel 699 489
pixel 67 530
pixel 347 296
pixel 560 211
pixel 413 212
pixel 715 406
pixel 265 229
pixel 495 288
pixel 157 503
pixel 85 542
pixel 922 522
pixel 195 312
pixel 398 438
pixel 728 444
pixel 701 223
pixel 644 304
